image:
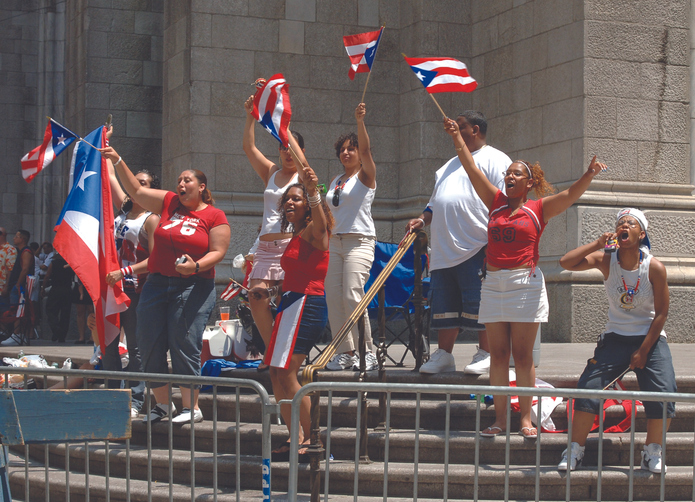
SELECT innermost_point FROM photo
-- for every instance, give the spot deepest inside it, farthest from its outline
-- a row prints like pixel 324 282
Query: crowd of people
pixel 315 252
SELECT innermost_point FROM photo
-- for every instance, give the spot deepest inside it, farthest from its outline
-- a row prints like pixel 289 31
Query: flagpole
pixel 436 103
pixel 365 86
pixel 76 135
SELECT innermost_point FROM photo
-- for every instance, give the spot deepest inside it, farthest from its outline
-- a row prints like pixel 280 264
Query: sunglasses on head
pixel 283 148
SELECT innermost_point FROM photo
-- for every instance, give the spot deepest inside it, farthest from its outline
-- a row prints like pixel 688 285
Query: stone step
pixel 432 413
pixel 400 477
pixel 431 450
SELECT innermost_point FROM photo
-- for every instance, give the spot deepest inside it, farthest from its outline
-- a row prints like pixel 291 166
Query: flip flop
pixel 281 454
pixel 493 431
pixel 528 432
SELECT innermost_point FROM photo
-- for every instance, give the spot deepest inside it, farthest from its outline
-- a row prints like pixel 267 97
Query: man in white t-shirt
pixel 458 239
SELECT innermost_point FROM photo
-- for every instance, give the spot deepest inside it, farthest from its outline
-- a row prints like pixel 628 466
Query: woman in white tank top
pixel 267 271
pixel 638 302
pixel 350 198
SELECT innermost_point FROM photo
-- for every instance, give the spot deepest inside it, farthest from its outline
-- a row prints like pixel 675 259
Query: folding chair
pixel 399 298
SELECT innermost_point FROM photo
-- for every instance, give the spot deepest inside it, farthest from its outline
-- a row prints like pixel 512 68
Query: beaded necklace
pixel 630 292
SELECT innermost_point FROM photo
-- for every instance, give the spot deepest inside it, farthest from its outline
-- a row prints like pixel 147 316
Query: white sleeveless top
pixel 630 316
pixel 353 215
pixel 271 198
pixel 131 245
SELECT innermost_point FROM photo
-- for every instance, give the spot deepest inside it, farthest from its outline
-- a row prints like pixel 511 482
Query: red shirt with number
pixel 512 241
pixel 180 232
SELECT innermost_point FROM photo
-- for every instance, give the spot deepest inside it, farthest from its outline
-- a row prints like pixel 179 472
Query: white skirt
pixel 513 296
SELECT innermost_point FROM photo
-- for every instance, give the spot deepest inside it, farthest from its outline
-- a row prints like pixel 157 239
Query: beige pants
pixel 351 259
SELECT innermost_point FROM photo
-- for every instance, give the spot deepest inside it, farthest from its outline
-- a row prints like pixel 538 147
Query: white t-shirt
pixel 271 197
pixel 353 214
pixel 459 217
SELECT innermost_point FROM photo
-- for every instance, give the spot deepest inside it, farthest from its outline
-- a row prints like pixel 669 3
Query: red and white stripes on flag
pixel 55 140
pixel 442 74
pixel 271 107
pixel 287 321
pixel 25 295
pixel 362 48
pixel 232 290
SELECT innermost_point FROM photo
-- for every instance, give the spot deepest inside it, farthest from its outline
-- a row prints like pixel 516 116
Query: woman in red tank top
pixel 513 298
pixel 302 314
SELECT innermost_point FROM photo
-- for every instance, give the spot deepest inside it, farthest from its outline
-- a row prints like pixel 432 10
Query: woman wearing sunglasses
pixel 267 272
pixel 350 198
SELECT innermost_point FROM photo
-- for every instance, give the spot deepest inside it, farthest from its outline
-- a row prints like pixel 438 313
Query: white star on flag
pixel 85 174
pixel 61 139
pixel 420 76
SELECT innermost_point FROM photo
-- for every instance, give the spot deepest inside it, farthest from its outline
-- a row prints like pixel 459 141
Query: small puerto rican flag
pixel 232 290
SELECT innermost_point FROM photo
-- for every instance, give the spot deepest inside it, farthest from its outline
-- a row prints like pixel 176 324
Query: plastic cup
pixel 224 313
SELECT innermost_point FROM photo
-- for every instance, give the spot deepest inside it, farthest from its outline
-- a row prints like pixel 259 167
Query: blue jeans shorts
pixel 455 294
pixel 172 315
pixel 612 357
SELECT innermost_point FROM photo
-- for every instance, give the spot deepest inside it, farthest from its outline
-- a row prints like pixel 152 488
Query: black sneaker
pixel 159 412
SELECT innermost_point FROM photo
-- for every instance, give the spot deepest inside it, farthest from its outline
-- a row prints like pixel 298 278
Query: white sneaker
pixel 440 362
pixel 185 416
pixel 480 364
pixel 651 458
pixel 576 458
pixel 370 362
pixel 342 361
pixel 159 412
pixel 12 340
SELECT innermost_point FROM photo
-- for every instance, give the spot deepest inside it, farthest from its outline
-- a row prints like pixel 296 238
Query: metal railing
pixel 176 463
pixel 417 390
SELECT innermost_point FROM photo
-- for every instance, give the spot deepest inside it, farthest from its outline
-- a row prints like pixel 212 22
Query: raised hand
pixel 596 167
pixel 360 112
pixel 248 104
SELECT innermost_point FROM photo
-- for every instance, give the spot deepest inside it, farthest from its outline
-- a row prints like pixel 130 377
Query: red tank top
pixel 512 241
pixel 305 267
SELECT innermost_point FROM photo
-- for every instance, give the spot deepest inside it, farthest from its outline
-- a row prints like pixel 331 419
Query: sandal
pixel 281 454
pixel 304 457
pixel 492 431
pixel 528 432
pixel 262 367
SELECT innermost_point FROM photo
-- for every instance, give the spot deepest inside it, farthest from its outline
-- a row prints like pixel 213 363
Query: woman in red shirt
pixel 179 295
pixel 302 314
pixel 513 298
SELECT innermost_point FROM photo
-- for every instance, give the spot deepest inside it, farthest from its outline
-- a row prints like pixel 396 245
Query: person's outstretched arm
pixel 260 163
pixel 368 173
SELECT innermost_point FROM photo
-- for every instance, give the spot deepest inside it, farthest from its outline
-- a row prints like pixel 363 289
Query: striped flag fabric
pixel 232 290
pixel 271 107
pixel 84 236
pixel 362 48
pixel 442 74
pixel 279 351
pixel 56 139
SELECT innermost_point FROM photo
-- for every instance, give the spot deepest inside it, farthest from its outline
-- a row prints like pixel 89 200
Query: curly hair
pixel 285 225
pixel 351 137
pixel 541 187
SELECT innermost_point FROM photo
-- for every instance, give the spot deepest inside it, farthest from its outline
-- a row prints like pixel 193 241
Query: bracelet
pixel 117 162
pixel 459 149
pixel 314 200
pixel 127 270
pixel 423 222
pixel 197 267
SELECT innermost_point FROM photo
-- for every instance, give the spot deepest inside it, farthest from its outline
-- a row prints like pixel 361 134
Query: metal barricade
pixel 456 390
pixel 208 464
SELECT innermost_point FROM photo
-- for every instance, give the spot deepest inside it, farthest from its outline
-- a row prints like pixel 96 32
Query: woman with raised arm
pixel 638 301
pixel 305 262
pixel 179 295
pixel 350 195
pixel 513 297
pixel 134 227
pixel 272 240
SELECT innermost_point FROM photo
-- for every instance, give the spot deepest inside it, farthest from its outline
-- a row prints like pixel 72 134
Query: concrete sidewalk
pixel 560 363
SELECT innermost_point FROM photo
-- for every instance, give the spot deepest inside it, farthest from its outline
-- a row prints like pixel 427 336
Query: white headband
pixel 528 168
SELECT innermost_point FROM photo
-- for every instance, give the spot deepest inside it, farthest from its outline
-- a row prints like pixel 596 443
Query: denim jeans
pixel 172 315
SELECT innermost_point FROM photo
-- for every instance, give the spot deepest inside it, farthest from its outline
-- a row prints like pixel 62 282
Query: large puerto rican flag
pixel 271 107
pixel 56 139
pixel 362 48
pixel 442 74
pixel 84 236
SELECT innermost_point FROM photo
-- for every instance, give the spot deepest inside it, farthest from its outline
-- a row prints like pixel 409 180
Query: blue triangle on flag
pixel 425 76
pixel 267 122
